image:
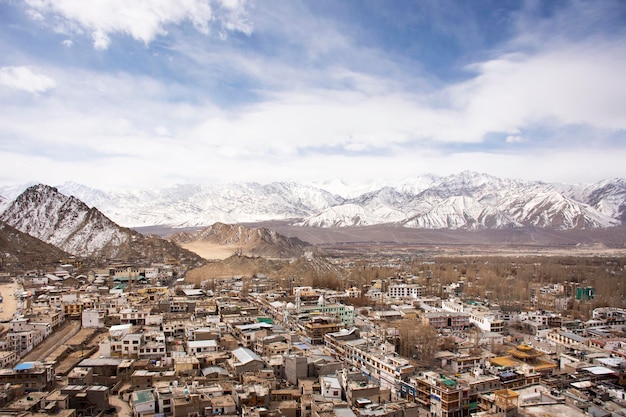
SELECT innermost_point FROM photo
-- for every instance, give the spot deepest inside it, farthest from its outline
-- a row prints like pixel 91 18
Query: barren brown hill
pixel 21 252
pixel 221 240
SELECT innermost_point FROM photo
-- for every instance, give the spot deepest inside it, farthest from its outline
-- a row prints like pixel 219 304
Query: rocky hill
pixel 72 226
pixel 19 251
pixel 253 241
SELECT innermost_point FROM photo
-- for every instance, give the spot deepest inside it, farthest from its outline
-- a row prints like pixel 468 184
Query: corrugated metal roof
pixel 245 355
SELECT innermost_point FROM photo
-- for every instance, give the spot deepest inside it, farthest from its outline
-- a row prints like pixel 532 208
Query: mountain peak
pixel 69 224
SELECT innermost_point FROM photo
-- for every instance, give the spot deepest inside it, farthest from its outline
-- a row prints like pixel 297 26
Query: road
pixel 50 343
pixel 122 408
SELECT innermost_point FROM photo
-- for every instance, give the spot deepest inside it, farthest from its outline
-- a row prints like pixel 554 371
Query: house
pixel 142 402
pixel 245 360
pixel 331 388
pixel 195 347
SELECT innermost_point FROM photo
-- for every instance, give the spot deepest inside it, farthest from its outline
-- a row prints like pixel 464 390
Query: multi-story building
pixel 447 320
pixel 443 396
pixel 33 376
pixel 386 368
pixel 7 359
pixel 486 321
pixel 405 291
pixel 23 342
pixel 127 346
pixel 316 329
pixel 567 338
pixel 196 347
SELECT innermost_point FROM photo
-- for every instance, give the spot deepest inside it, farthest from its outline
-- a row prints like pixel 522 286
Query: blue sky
pixel 141 94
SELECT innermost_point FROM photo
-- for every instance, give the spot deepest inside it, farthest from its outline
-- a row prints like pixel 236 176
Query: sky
pixel 151 93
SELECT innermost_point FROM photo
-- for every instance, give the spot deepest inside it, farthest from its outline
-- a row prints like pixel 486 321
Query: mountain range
pixel 467 201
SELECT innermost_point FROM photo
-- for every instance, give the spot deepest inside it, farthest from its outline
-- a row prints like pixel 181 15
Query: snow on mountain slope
pixel 550 209
pixel 10 193
pixel 340 216
pixel 460 212
pixel 65 222
pixel 608 197
pixel 466 200
pixel 195 205
pixel 69 224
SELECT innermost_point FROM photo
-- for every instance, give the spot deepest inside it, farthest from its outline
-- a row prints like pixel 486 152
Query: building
pixel 399 291
pixel 245 360
pixel 143 402
pixel 447 320
pixel 33 376
pixel 316 328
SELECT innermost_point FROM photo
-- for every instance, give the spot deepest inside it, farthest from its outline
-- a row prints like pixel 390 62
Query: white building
pixel 330 387
pixel 195 347
pixel 405 291
pixel 92 318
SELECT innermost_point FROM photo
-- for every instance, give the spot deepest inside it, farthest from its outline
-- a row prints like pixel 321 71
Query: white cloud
pixel 142 20
pixel 68 43
pixel 101 40
pixel 25 79
pixel 332 118
pixel 576 84
pixel 514 139
pixel 162 131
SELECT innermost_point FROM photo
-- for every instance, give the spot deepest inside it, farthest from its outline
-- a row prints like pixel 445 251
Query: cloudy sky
pixel 146 93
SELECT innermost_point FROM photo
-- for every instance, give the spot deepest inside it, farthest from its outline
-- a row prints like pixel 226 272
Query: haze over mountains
pixel 468 201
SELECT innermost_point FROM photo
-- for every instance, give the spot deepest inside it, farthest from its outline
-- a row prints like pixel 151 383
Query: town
pixel 436 337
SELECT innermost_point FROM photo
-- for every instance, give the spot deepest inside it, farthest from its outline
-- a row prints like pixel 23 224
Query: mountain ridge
pixel 466 200
pixel 20 251
pixel 251 241
pixel 69 224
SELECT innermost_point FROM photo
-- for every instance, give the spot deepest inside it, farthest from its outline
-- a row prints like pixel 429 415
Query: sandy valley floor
pixel 9 302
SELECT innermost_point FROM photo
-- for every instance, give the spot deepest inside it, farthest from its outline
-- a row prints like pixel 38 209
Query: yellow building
pixel 526 357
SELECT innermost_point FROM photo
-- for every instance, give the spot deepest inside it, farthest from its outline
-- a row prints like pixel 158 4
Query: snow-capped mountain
pixel 467 200
pixel 201 205
pixel 69 224
pixel 472 201
pixel 608 197
pixel 4 203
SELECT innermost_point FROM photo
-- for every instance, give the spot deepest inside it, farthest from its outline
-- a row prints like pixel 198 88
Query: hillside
pixel 70 225
pixel 305 268
pixel 221 238
pixel 21 251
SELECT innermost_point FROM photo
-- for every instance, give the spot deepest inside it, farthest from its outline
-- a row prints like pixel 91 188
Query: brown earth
pixel 9 302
